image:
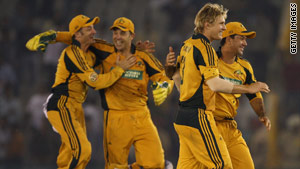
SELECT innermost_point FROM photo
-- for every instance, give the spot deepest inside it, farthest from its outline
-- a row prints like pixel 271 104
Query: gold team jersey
pixel 197 63
pixel 238 73
pixel 130 91
pixel 74 74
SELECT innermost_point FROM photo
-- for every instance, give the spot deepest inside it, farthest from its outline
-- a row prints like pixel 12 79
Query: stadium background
pixel 26 138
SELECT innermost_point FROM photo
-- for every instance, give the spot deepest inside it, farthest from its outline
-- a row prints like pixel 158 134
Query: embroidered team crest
pixel 121 21
pixel 139 63
pixel 93 77
pixel 238 73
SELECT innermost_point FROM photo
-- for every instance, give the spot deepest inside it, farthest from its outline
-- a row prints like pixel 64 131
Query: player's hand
pixel 170 66
pixel 160 92
pixel 146 46
pixel 39 42
pixel 171 58
pixel 258 87
pixel 266 121
pixel 125 63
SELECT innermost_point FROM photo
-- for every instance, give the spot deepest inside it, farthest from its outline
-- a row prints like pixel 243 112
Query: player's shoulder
pixel 189 43
pixel 146 56
pixel 149 58
pixel 244 62
pixel 72 48
pixel 102 41
pixel 102 45
pixel 186 47
pixel 143 53
pixel 200 44
pixel 72 51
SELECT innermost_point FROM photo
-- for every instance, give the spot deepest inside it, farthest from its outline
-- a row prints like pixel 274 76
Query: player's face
pixel 239 42
pixel 122 39
pixel 86 34
pixel 216 29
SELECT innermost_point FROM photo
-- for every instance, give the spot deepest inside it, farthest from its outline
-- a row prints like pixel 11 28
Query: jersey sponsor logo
pixel 93 77
pixel 133 74
pixel 234 81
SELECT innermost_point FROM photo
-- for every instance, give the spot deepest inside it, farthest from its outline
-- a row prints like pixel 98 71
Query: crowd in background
pixel 26 137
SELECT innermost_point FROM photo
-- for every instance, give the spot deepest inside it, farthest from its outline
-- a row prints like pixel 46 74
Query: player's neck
pixel 84 46
pixel 227 55
pixel 126 52
pixel 207 35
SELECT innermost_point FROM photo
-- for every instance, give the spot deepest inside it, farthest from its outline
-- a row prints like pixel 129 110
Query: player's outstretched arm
pixel 220 85
pixel 39 42
pixel 256 87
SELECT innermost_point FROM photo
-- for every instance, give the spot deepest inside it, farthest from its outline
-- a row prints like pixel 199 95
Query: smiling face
pixel 213 31
pixel 238 44
pixel 122 39
pixel 86 35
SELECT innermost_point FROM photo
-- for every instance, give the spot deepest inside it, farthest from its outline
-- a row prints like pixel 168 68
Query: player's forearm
pixel 240 89
pixel 258 106
pixel 217 84
pixel 101 81
pixel 64 37
pixel 177 79
pixel 107 79
pixel 170 70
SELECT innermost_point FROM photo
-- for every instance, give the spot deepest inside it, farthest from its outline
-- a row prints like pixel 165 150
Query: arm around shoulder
pixel 217 84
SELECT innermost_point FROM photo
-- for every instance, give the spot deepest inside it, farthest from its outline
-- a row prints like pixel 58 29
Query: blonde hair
pixel 208 13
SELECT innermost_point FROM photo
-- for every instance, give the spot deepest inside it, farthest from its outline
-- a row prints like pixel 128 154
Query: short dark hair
pixel 224 39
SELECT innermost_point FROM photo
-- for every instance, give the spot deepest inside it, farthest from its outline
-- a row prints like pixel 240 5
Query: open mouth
pixel 118 42
pixel 242 49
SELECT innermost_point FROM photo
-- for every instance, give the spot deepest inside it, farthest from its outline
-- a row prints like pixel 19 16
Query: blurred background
pixel 26 137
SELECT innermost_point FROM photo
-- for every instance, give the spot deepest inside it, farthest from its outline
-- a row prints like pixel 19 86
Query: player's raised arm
pixel 39 42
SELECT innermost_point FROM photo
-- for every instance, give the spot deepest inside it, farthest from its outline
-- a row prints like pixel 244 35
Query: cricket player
pixel 201 143
pixel 127 119
pixel 236 70
pixel 74 75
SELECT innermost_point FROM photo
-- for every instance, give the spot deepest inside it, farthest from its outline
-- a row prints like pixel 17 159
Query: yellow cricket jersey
pixel 130 92
pixel 197 63
pixel 238 73
pixel 75 73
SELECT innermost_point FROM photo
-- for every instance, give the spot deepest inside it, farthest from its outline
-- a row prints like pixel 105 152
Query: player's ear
pixel 206 25
pixel 132 35
pixel 229 40
pixel 78 33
